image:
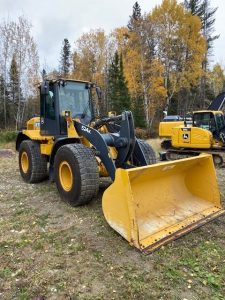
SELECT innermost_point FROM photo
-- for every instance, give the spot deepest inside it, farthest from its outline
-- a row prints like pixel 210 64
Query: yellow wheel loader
pixel 149 204
pixel 205 134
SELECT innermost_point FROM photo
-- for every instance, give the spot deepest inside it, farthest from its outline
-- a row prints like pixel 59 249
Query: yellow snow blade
pixel 150 206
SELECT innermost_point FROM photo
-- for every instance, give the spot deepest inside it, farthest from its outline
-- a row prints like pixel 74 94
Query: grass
pixel 6 272
pixel 49 249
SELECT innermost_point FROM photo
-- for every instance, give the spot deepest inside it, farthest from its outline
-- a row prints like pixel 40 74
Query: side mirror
pixel 99 92
pixel 44 88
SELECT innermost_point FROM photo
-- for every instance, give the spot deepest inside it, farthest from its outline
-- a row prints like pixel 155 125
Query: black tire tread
pixel 148 151
pixel 38 161
pixel 88 172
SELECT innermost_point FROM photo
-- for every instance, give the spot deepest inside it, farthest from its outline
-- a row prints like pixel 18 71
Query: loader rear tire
pixel 76 174
pixel 148 151
pixel 32 164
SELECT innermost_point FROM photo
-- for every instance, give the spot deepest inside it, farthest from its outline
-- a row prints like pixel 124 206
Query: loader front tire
pixel 32 164
pixel 148 151
pixel 76 174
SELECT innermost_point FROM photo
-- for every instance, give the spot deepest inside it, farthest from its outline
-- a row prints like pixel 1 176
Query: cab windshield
pixel 209 121
pixel 74 97
pixel 204 120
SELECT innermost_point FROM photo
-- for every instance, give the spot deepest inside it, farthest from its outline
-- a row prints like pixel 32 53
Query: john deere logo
pixel 185 136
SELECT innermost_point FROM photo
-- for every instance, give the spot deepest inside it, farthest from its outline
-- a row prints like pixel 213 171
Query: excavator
pixel 206 133
pixel 147 203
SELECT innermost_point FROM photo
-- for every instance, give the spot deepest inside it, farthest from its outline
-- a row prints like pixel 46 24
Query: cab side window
pixel 220 121
pixel 48 105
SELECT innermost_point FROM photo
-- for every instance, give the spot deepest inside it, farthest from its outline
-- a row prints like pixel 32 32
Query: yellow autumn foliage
pixel 180 45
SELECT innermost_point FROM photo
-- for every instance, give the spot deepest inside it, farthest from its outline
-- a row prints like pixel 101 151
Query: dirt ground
pixel 49 250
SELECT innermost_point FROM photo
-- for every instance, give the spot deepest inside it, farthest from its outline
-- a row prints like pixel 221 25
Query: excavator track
pixel 218 156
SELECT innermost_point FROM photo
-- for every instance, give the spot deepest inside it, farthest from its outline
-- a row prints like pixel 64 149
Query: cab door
pixel 49 122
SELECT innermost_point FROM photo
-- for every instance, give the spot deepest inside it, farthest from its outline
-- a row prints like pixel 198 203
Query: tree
pixel 15 93
pixel 208 21
pixel 118 94
pixel 6 50
pixel 90 56
pixel 65 61
pixel 135 18
pixel 91 61
pixel 202 9
pixel 135 67
pixel 217 79
pixel 194 6
pixel 3 98
pixel 133 72
pixel 16 40
pixel 27 59
pixel 43 74
pixel 180 47
pixel 14 81
pixel 136 43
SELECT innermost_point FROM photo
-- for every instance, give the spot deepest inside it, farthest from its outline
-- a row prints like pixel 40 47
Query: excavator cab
pixel 212 121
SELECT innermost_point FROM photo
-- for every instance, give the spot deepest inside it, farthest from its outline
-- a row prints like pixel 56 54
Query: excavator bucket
pixel 150 206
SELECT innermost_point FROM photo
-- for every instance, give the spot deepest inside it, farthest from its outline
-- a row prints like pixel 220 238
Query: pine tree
pixel 202 9
pixel 43 74
pixel 135 18
pixel 138 50
pixel 138 112
pixel 124 92
pixel 15 93
pixel 14 81
pixel 65 62
pixel 194 6
pixel 113 94
pixel 118 94
pixel 208 21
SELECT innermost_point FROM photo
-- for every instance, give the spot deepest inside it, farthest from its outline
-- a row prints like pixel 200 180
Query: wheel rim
pixel 65 176
pixel 24 162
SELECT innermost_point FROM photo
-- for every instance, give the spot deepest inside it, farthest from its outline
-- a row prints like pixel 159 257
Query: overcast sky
pixel 54 20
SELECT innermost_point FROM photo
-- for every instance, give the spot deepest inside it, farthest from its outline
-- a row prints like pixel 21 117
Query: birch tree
pixel 16 39
pixel 6 37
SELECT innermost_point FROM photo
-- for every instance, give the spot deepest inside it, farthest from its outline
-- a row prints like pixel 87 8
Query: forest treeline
pixel 159 61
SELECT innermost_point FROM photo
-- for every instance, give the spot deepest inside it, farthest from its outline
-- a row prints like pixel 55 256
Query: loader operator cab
pixel 59 96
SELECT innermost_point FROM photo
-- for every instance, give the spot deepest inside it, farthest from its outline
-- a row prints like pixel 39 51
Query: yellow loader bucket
pixel 150 206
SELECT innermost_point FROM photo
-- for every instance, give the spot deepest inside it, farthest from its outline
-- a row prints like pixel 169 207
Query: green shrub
pixel 7 136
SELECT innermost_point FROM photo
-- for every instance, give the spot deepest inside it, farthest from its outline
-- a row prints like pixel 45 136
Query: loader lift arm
pixel 124 141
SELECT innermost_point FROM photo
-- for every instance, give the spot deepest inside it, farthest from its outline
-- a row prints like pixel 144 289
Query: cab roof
pixel 65 79
pixel 208 111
